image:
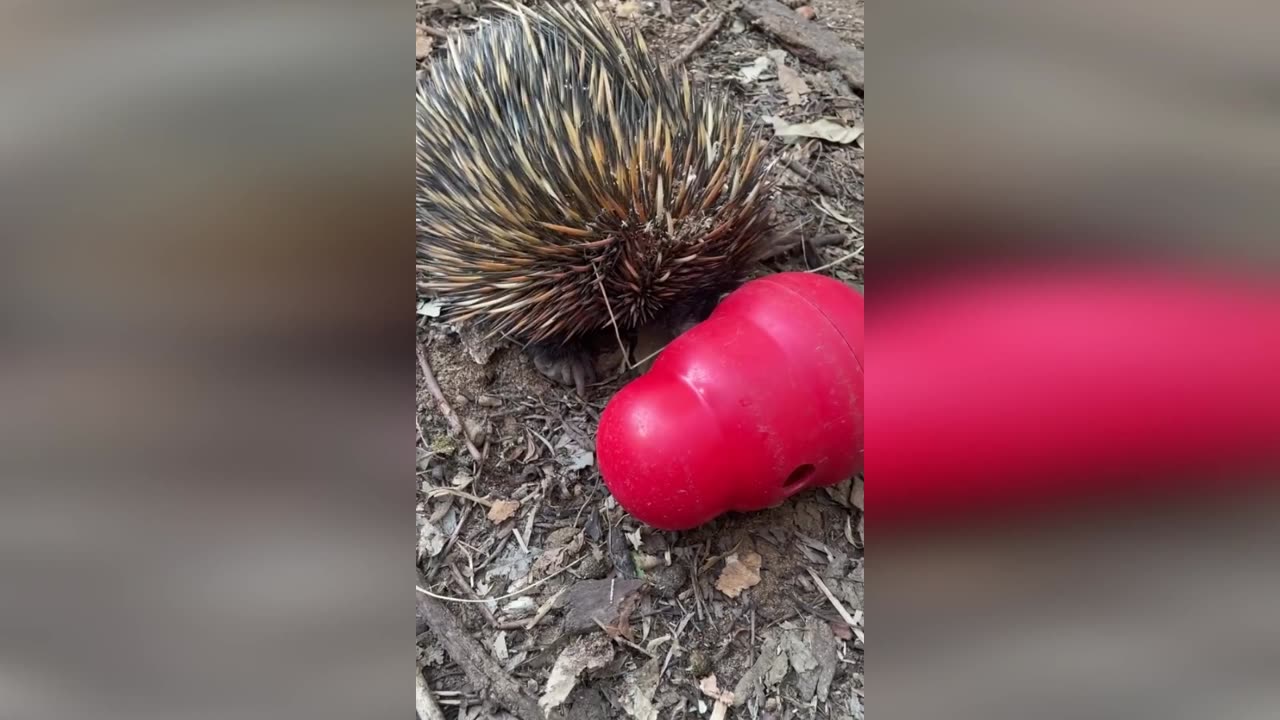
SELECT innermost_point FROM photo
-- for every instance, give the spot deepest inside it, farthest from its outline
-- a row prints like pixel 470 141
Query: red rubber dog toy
pixel 751 406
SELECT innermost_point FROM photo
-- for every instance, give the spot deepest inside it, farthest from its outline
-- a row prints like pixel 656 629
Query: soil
pixel 781 645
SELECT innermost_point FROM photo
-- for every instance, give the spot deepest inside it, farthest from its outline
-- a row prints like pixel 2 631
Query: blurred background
pixel 206 378
pixel 206 373
pixel 1091 133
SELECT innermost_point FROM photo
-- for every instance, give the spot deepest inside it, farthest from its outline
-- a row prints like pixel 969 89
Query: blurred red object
pixel 755 404
pixel 1067 387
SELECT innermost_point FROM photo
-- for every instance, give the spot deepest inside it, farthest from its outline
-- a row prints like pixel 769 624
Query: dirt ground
pixel 533 527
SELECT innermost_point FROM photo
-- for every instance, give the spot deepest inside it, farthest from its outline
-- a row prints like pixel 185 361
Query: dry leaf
pixel 647 562
pixel 430 540
pixel 423 45
pixel 627 9
pixel 822 129
pixel 792 84
pixel 752 72
pixel 521 607
pixel 739 574
pixel 582 459
pixel 589 601
pixel 638 689
pixel 856 495
pixel 587 653
pixel 502 509
pixel 500 646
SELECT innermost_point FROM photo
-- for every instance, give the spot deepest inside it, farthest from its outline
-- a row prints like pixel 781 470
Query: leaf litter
pixel 586 653
pixel 541 457
pixel 739 574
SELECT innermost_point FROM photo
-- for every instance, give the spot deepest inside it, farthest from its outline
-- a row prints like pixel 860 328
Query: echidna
pixel 568 184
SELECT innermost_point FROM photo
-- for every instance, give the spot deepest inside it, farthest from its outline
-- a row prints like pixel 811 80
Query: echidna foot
pixel 572 365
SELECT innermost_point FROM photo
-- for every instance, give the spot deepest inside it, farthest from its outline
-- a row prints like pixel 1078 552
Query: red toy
pixel 755 404
pixel 1025 388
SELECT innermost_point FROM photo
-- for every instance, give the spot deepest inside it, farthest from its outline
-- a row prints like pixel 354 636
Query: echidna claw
pixel 572 366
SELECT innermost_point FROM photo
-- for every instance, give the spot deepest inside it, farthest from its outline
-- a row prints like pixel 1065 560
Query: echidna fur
pixel 558 165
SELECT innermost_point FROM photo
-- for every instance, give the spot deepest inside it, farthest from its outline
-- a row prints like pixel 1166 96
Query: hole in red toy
pixel 799 476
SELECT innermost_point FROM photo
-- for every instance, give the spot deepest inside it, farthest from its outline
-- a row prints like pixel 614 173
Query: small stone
pixel 669 581
pixel 807 12
pixel 699 665
pixel 596 566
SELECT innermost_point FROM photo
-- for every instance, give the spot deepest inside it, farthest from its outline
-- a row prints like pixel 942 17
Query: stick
pixel 835 602
pixel 481 606
pixel 546 608
pixel 838 261
pixel 438 561
pixel 811 177
pixel 484 673
pixel 809 41
pixel 428 709
pixel 702 38
pixel 508 596
pixel 449 415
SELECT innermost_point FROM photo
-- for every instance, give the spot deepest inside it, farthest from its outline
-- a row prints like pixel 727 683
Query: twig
pixel 813 243
pixel 434 31
pixel 428 709
pixel 508 596
pixel 835 602
pixel 449 415
pixel 811 177
pixel 621 640
pixel 612 320
pixel 462 583
pixel 546 608
pixel 482 670
pixel 809 41
pixel 838 261
pixel 436 492
pixel 444 552
pixel 702 38
pixel 675 641
pixel 697 595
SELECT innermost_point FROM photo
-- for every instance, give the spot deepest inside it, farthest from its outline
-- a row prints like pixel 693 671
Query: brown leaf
pixel 502 509
pixel 739 574
pixel 589 601
pixel 792 84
